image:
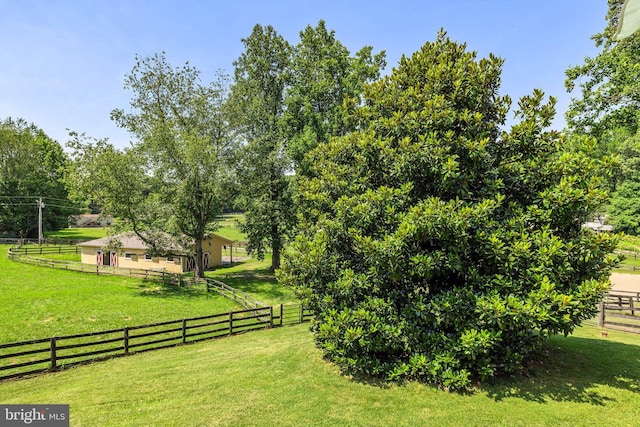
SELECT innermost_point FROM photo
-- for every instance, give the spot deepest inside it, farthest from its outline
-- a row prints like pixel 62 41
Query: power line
pixel 19 197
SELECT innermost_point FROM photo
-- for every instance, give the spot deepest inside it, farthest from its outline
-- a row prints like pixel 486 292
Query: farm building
pixel 90 220
pixel 132 253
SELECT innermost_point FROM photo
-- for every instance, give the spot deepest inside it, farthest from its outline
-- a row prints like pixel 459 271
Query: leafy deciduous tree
pixel 173 181
pixel 609 83
pixel 31 166
pixel 326 82
pixel 609 111
pixel 258 94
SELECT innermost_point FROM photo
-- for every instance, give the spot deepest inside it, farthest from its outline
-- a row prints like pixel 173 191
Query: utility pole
pixel 40 206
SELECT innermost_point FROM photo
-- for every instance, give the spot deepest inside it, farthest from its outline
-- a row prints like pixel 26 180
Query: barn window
pixel 148 257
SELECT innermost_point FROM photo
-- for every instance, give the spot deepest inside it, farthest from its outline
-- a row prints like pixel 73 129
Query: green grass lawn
pixel 229 227
pixel 255 278
pixel 40 302
pixel 88 233
pixel 278 378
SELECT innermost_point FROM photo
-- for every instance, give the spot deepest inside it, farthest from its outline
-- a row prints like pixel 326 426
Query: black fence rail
pixel 50 354
pixel 40 250
pixel 45 241
pixel 620 310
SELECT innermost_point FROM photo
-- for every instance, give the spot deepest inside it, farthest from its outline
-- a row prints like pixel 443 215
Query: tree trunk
pixel 199 272
pixel 275 258
pixel 275 247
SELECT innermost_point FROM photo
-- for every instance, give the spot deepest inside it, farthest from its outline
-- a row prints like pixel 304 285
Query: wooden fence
pixel 628 255
pixel 45 241
pixel 620 310
pixel 50 354
pixel 26 254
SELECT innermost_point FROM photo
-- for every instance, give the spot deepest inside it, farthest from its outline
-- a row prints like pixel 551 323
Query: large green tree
pixel 625 200
pixel 31 168
pixel 290 99
pixel 170 186
pixel 258 94
pixel 326 82
pixel 435 246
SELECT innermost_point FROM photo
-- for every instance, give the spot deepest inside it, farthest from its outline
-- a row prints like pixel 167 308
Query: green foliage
pixel 258 95
pixel 624 206
pixel 325 81
pixel 433 245
pixel 31 166
pixel 171 185
pixel 609 83
pixel 609 110
pixel 289 99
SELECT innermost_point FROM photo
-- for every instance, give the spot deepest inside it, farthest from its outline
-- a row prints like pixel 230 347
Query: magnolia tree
pixel 435 246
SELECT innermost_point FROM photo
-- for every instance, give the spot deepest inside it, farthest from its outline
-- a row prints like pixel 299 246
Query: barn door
pixel 113 258
pixel 191 263
pixel 205 260
pixel 99 257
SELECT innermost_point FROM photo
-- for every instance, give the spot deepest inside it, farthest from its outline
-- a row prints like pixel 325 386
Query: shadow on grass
pixel 260 283
pixel 572 370
pixel 165 290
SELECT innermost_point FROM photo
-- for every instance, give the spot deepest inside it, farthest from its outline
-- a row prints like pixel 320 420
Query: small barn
pixel 132 253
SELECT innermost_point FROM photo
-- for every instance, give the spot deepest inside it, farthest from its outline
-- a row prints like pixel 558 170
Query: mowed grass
pixel 278 377
pixel 40 302
pixel 229 227
pixel 87 233
pixel 630 264
pixel 254 277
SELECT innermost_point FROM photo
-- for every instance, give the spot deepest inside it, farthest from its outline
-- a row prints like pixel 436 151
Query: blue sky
pixel 62 63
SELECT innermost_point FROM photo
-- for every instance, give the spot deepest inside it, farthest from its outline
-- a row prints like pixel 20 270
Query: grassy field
pixel 278 377
pixel 631 263
pixel 229 227
pixel 78 233
pixel 39 302
pixel 253 277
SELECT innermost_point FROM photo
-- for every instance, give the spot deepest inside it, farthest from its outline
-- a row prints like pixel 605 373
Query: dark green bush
pixel 435 246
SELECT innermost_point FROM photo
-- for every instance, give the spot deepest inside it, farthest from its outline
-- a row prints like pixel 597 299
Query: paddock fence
pixel 629 255
pixel 27 255
pixel 620 310
pixel 33 357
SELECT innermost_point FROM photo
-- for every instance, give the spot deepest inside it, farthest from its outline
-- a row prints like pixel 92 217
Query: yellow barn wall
pixel 212 245
pixel 137 261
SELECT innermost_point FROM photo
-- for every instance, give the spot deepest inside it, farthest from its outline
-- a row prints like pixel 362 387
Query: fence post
pixel 230 322
pixel 184 331
pixel 54 356
pixel 301 313
pixel 126 340
pixel 281 313
pixel 271 317
pixel 601 314
pixel 631 306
